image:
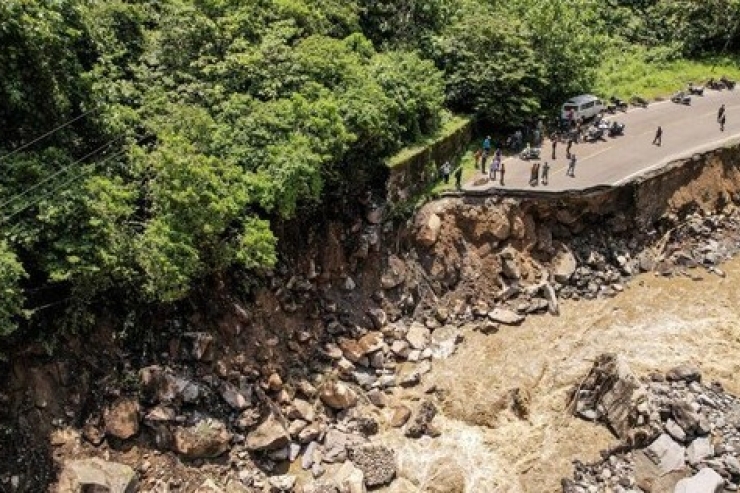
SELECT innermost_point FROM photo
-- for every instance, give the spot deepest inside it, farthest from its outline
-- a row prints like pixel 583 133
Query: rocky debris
pixel 377 463
pixel 444 341
pixel 428 233
pixel 394 274
pixel 122 418
pixel 160 384
pixel 271 434
pixel 553 306
pixel 697 450
pixel 201 347
pixel 350 479
pixel 96 475
pixel 233 396
pixel 612 393
pixel 338 395
pixel 418 336
pixel 400 416
pixel 563 265
pixel 422 421
pixel 705 481
pixel 510 265
pixel 337 443
pixel 284 483
pixel 686 373
pixel 208 438
pixel 506 317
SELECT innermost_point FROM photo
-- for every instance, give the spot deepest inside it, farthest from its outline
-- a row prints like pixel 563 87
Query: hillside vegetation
pixel 148 144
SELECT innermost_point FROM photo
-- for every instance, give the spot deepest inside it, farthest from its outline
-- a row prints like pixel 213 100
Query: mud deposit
pixel 656 324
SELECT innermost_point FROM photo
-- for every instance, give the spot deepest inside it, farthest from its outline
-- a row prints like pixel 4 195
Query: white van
pixel 586 106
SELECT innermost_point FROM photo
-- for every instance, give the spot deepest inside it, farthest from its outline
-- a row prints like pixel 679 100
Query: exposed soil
pixel 504 426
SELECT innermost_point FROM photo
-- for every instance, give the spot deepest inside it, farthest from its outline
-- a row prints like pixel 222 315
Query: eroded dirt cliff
pixel 335 366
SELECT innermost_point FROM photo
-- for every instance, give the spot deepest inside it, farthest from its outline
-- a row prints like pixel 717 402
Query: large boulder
pixel 505 316
pixel 207 439
pixel 394 274
pixel 428 233
pixel 338 395
pixel 350 479
pixel 122 418
pixel 660 466
pixel 499 224
pixel 418 336
pixel 705 481
pixel 377 463
pixel 93 475
pixel 233 396
pixel 617 396
pixel 271 434
pixel 422 422
pixel 446 477
pixel 160 384
pixel 563 265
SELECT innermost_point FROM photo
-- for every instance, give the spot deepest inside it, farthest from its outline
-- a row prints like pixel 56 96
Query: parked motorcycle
pixel 716 85
pixel 729 84
pixel 696 90
pixel 616 104
pixel 681 98
pixel 638 101
pixel 615 129
pixel 593 134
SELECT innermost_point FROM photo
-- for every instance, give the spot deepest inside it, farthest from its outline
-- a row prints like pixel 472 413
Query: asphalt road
pixel 687 130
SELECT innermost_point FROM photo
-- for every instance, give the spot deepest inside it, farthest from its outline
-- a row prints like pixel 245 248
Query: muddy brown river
pixel 656 323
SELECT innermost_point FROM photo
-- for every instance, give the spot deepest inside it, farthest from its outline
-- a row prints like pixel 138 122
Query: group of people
pixel 540 173
pixel 497 163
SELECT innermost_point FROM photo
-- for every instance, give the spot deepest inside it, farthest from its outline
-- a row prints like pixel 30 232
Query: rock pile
pixel 323 422
pixel 690 432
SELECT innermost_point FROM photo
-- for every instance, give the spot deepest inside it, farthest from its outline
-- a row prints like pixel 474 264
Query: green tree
pixel 11 275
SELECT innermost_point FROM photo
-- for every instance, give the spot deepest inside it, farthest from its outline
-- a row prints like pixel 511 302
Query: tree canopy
pixel 147 144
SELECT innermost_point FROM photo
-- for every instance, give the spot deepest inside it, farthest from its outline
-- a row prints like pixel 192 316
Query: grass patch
pixel 450 124
pixel 652 74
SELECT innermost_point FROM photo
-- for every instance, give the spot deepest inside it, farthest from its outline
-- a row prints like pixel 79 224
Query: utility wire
pixel 62 185
pixel 47 134
pixel 58 172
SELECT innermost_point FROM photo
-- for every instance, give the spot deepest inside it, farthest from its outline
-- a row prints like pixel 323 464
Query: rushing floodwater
pixel 656 323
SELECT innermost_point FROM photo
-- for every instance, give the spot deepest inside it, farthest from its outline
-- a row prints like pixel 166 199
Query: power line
pixel 47 134
pixel 60 171
pixel 62 185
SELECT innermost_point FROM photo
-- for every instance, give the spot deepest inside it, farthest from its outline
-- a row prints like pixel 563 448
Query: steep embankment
pixel 331 356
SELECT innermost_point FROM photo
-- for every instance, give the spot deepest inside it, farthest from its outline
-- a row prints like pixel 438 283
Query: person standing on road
pixel 567 148
pixel 722 123
pixel 494 168
pixel 533 178
pixel 572 166
pixel 502 170
pixel 458 177
pixel 545 173
pixel 658 140
pixel 446 169
pixel 554 145
pixel 720 112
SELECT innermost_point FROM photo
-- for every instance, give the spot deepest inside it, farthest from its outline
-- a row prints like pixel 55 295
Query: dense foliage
pixel 149 143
